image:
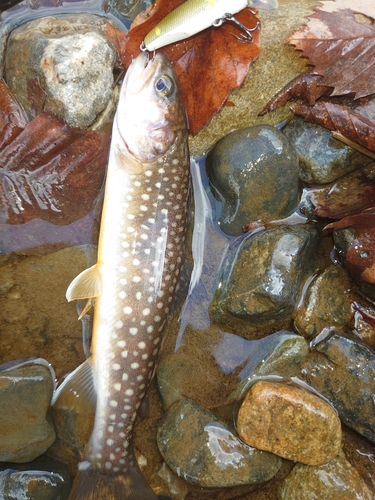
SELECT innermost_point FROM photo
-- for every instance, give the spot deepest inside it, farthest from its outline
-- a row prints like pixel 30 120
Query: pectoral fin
pixel 87 285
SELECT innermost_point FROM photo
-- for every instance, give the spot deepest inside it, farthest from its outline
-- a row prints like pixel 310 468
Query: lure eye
pixel 165 85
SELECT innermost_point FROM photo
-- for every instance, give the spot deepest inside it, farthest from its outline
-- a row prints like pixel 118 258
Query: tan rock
pixel 289 422
pixel 337 480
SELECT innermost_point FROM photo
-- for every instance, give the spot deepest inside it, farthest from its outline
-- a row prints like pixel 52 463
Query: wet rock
pixel 244 167
pixel 262 277
pixel 345 375
pixel 280 355
pixel 38 480
pixel 204 451
pixel 322 158
pixel 289 422
pixel 209 366
pixel 327 303
pixel 361 454
pixel 337 480
pixel 73 417
pixel 131 8
pixel 349 195
pixel 71 59
pixel 364 323
pixel 25 429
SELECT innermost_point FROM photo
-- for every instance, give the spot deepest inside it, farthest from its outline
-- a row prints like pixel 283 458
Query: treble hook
pixel 143 48
pixel 246 36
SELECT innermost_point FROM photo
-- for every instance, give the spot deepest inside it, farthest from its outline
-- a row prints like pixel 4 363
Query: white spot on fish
pixel 145 196
pixel 117 386
pixel 125 377
pixel 119 324
pixel 124 354
pixel 146 311
pixel 133 331
pixel 129 392
pixel 121 343
pixel 127 310
pixel 113 403
pixel 134 366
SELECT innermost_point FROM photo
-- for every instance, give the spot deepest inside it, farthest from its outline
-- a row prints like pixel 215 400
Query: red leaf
pixel 13 119
pixel 208 65
pixel 349 123
pixel 340 48
pixel 48 169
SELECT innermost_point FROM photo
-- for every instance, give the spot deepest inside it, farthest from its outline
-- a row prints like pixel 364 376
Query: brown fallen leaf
pixel 208 65
pixel 305 86
pixel 349 195
pixel 360 256
pixel 349 123
pixel 341 49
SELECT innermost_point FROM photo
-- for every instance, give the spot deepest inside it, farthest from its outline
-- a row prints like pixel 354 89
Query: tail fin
pixel 94 484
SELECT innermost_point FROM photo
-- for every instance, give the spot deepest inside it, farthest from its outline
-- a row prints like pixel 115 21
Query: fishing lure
pixel 194 16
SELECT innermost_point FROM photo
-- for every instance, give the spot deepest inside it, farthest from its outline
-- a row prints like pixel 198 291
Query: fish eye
pixel 164 85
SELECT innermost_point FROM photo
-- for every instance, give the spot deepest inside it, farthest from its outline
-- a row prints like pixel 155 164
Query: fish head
pixel 150 115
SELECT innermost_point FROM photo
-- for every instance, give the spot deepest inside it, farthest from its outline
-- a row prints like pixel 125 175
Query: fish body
pixel 140 251
pixel 194 16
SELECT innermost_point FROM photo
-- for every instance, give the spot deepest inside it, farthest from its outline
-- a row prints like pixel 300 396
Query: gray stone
pixel 344 373
pixel 25 429
pixel 322 158
pixel 255 172
pixel 327 303
pixel 73 62
pixel 205 451
pixel 38 480
pixel 336 480
pixel 262 278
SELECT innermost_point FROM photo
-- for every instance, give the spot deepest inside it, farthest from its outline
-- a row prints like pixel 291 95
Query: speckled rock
pixel 262 277
pixel 344 373
pixel 25 429
pixel 244 167
pixel 39 480
pixel 204 451
pixel 322 158
pixel 73 62
pixel 327 303
pixel 337 480
pixel 289 422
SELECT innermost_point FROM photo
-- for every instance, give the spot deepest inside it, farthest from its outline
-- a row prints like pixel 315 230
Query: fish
pixel 194 16
pixel 140 252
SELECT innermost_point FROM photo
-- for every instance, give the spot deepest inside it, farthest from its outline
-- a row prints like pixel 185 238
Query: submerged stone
pixel 39 480
pixel 345 375
pixel 245 167
pixel 25 429
pixel 322 158
pixel 262 278
pixel 336 480
pixel 327 303
pixel 289 422
pixel 205 451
